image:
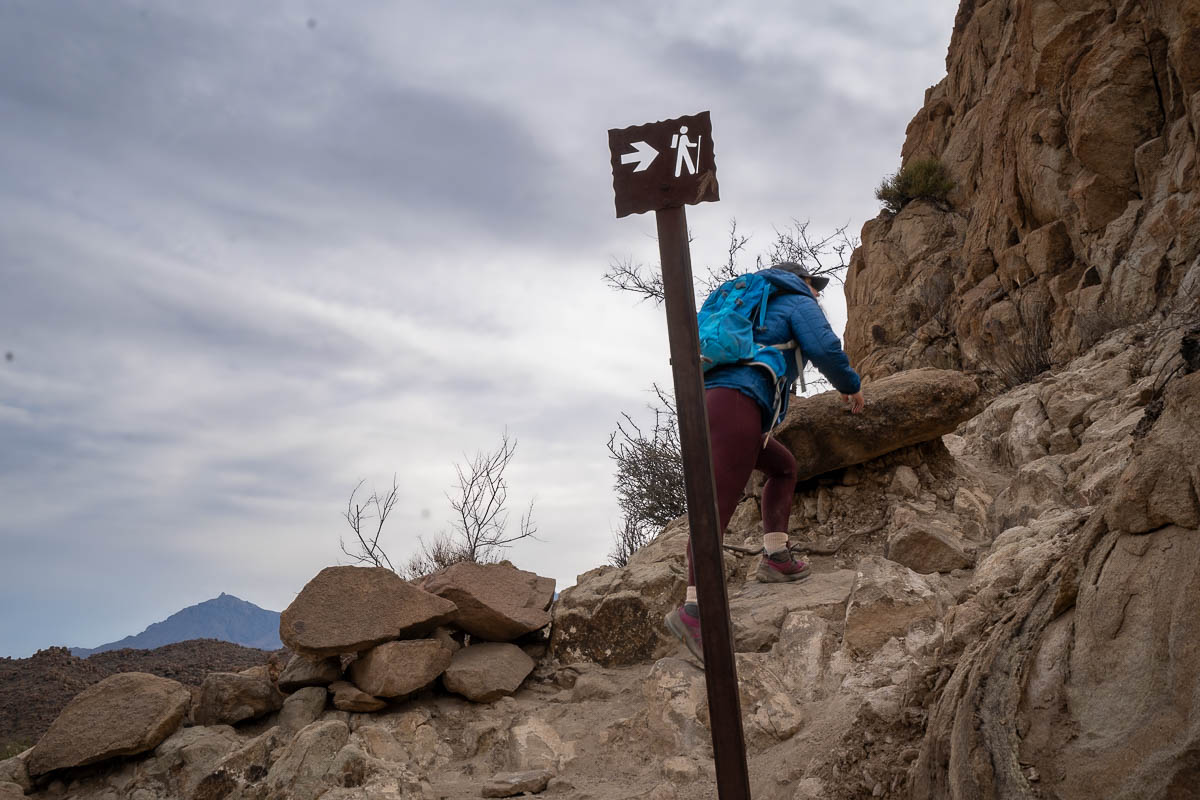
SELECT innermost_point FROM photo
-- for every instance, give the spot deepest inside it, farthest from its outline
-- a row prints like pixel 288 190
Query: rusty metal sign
pixel 663 164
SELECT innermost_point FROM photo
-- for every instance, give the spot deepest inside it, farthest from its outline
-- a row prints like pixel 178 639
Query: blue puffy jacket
pixel 791 315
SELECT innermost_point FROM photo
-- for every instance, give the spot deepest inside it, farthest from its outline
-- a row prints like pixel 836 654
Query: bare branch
pixel 479 504
pixel 366 548
pixel 625 276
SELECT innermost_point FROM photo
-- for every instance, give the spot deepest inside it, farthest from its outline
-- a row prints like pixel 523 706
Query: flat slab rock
pixel 496 602
pixel 510 784
pixel 759 609
pixel 122 715
pixel 351 609
pixel 902 410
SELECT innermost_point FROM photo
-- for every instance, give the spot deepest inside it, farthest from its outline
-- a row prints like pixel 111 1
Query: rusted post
pixel 724 706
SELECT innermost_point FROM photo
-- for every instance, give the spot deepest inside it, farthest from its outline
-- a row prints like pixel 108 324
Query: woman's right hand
pixel 856 401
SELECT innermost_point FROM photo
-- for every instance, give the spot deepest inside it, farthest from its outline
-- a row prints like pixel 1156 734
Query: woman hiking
pixel 743 405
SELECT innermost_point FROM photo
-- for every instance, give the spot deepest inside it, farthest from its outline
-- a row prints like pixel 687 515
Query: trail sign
pixel 663 164
pixel 661 167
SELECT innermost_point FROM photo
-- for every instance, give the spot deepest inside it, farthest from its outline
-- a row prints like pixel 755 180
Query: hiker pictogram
pixel 683 151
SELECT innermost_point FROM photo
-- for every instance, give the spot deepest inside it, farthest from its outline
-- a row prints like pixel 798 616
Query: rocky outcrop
pixel 1097 621
pixel 351 609
pixel 903 410
pixel 496 602
pixel 122 715
pixel 1070 130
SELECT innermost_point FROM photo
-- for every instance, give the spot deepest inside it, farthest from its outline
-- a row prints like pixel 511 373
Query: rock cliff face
pixel 1070 129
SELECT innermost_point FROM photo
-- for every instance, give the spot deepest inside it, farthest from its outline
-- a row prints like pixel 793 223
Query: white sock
pixel 691 595
pixel 775 542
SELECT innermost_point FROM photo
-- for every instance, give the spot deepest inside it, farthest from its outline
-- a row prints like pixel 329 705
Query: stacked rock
pixel 399 638
pixel 362 635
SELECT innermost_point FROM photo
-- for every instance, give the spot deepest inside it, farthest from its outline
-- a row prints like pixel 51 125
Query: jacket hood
pixel 786 280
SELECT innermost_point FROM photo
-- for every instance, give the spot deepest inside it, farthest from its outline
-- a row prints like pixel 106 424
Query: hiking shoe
pixel 686 628
pixel 781 567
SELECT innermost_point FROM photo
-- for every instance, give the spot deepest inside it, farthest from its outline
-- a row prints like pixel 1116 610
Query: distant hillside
pixel 226 618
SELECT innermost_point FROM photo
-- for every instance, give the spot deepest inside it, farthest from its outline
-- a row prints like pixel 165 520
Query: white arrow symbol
pixel 644 156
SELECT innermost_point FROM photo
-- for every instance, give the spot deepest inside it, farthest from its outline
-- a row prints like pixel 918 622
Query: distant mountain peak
pixel 225 617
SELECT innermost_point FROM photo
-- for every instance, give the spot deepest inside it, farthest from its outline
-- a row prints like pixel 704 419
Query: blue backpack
pixel 727 322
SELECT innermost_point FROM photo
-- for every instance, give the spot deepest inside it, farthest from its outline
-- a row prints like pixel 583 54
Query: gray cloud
pixel 246 262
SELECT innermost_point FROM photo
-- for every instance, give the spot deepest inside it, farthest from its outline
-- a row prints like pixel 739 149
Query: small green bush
pixel 920 178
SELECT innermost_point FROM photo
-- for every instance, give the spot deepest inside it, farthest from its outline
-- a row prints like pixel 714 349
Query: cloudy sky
pixel 251 254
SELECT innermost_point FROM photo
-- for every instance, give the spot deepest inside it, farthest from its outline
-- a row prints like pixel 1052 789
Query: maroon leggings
pixel 735 430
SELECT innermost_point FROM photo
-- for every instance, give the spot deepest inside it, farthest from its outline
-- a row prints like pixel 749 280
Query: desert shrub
pixel 1021 358
pixel 649 480
pixel 921 178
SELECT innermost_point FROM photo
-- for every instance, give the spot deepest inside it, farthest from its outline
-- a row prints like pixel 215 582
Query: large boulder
pixel 396 669
pixel 122 715
pixel 497 602
pixel 487 671
pixel 227 698
pixel 351 609
pixel 904 409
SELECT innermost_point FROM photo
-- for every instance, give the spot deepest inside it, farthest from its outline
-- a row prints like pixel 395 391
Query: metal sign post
pixel 645 180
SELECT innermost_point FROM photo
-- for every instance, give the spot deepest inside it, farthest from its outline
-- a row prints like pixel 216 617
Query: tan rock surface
pixel 927 546
pixel 396 669
pixel 510 784
pixel 348 697
pixel 190 754
pixel 302 671
pixel 885 600
pixel 227 698
pixel 497 602
pixel 487 671
pixel 122 715
pixel 327 617
pixel 303 707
